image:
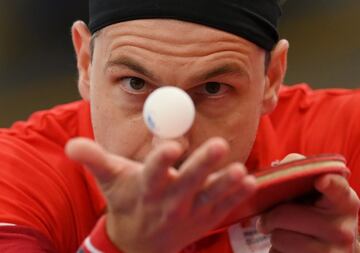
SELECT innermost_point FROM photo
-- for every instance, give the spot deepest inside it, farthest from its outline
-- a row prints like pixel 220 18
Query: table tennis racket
pixel 285 182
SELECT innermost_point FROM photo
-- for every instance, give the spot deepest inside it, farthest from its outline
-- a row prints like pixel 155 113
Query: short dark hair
pixel 267 60
pixel 92 42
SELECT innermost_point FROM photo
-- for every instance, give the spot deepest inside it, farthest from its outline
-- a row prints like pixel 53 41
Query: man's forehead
pixel 171 42
pixel 254 20
pixel 169 29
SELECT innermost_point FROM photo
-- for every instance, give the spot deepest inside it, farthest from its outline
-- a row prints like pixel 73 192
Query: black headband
pixel 254 20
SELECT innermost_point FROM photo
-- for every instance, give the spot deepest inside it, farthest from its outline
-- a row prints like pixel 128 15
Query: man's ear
pixel 81 38
pixel 275 75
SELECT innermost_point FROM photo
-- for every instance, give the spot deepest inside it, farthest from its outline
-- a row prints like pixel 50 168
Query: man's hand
pixel 153 207
pixel 328 225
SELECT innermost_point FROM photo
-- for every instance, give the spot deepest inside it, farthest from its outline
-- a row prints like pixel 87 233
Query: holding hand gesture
pixel 154 207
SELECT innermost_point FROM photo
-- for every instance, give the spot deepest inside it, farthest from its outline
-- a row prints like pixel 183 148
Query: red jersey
pixel 55 202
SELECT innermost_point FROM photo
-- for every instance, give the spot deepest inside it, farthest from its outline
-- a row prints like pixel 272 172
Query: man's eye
pixel 134 85
pixel 213 89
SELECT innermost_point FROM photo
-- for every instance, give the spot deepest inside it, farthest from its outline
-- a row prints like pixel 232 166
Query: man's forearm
pixel 14 239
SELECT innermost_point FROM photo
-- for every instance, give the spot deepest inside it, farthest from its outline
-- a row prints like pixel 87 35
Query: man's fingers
pixel 157 164
pixel 95 158
pixel 289 241
pixel 201 163
pixel 221 184
pixel 243 190
pixel 337 194
pixel 306 220
pixel 223 194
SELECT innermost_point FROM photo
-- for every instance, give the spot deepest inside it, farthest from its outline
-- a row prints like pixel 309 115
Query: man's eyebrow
pixel 129 63
pixel 221 70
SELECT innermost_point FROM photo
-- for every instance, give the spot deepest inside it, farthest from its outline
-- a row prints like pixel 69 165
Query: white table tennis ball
pixel 169 112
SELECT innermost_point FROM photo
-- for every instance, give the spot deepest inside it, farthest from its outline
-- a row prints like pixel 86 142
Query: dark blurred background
pixel 38 69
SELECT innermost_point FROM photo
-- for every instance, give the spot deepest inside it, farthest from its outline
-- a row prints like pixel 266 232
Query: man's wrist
pixel 98 240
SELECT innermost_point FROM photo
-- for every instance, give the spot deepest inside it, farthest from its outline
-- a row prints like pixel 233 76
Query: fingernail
pixel 250 182
pixel 251 179
pixel 238 171
pixel 323 183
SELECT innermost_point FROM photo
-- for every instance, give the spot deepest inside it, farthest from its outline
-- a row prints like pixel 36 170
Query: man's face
pixel 223 73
